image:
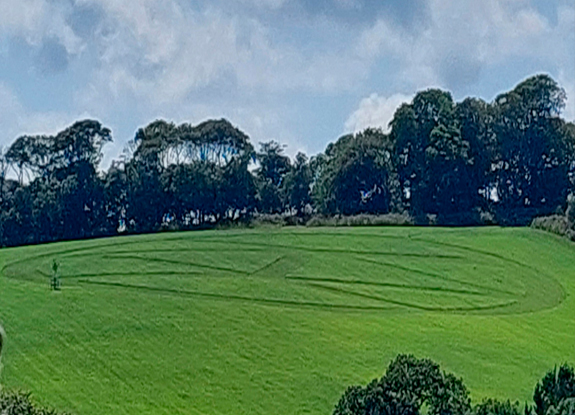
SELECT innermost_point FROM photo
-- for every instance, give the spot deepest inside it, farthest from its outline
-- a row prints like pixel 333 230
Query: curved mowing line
pixel 344 251
pixel 189 242
pixel 170 250
pixel 220 239
pixel 563 293
pixel 132 274
pixel 475 250
pixel 261 247
pixel 433 275
pixel 417 306
pixel 270 301
pixel 174 261
pixel 297 277
pixel 117 241
pixel 122 274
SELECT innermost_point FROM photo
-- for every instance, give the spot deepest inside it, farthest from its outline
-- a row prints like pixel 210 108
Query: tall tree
pixel 535 150
pixel 297 185
pixel 273 166
pixel 412 126
pixel 557 386
pixel 356 175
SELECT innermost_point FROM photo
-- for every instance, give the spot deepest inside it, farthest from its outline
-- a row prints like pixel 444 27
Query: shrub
pixel 495 407
pixel 277 219
pixel 556 387
pixel 389 219
pixel 557 224
pixel 19 403
pixel 408 385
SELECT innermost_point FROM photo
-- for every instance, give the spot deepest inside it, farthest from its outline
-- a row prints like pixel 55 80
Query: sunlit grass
pixel 281 321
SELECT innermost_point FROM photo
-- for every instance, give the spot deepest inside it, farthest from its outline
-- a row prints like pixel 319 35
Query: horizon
pixel 302 73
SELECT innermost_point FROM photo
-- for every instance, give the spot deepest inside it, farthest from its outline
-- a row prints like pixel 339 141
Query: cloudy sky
pixel 302 72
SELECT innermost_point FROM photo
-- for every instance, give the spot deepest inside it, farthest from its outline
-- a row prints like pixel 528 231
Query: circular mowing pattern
pixel 332 271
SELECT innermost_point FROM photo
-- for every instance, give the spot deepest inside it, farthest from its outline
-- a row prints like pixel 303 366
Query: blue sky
pixel 301 72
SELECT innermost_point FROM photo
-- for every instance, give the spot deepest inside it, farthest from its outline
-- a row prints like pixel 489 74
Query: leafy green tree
pixel 20 403
pixel 557 385
pixel 565 407
pixel 475 121
pixel 408 385
pixel 273 163
pixel 495 407
pixel 273 167
pixel 297 185
pixel 452 183
pixel 356 175
pixel 426 139
pixel 535 150
pixel 79 144
pixel 30 156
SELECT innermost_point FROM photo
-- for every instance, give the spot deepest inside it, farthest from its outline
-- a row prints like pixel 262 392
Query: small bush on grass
pixel 19 403
pixel 557 224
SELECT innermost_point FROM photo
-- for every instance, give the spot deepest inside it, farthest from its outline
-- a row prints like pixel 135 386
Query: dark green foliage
pixel 552 392
pixel 534 150
pixel 408 385
pixel 446 163
pixel 356 175
pixel 557 224
pixel 495 407
pixel 411 384
pixel 565 407
pixel 297 185
pixel 19 403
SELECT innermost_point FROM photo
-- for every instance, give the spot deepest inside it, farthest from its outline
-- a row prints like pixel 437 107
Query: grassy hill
pixel 281 321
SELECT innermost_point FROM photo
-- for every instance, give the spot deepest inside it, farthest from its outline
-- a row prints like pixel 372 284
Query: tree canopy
pixel 444 162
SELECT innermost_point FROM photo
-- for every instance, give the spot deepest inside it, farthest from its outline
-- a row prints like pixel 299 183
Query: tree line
pixel 412 386
pixel 442 162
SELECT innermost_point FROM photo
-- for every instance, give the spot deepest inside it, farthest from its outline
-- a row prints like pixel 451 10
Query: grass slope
pixel 281 321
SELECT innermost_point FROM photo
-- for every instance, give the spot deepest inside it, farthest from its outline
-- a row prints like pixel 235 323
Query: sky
pixel 301 72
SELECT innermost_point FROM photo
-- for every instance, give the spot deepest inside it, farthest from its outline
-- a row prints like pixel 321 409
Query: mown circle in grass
pixel 334 272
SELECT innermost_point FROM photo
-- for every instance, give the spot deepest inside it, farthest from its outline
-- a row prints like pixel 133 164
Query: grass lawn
pixel 281 321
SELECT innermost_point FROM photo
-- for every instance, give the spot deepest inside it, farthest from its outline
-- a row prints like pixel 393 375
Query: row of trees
pixel 412 386
pixel 449 162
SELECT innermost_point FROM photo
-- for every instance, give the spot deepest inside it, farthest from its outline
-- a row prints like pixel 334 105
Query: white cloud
pixel 462 37
pixel 151 58
pixel 160 52
pixel 375 111
pixel 34 20
pixel 16 120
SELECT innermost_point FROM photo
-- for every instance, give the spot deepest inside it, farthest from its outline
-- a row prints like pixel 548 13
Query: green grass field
pixel 281 321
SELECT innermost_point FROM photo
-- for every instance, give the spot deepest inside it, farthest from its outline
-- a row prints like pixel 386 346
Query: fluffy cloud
pixel 270 66
pixel 463 38
pixel 375 111
pixel 17 120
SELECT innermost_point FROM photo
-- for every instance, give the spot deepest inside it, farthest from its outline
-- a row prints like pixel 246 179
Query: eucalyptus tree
pixel 187 174
pixel 29 156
